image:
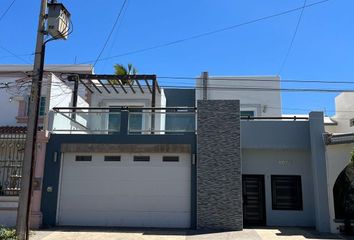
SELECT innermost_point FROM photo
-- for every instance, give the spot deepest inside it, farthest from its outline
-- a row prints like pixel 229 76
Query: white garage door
pixel 125 190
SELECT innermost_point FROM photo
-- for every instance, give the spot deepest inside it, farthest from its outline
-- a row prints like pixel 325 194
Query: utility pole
pixel 59 28
pixel 24 207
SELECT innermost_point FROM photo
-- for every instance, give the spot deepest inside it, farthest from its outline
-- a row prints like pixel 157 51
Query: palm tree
pixel 120 69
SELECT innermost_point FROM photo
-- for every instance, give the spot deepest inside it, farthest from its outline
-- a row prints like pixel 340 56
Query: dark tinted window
pixel 141 158
pixel 112 158
pixel 170 158
pixel 286 192
pixel 80 158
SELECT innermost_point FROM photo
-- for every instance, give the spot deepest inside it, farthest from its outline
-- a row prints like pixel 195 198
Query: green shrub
pixel 7 234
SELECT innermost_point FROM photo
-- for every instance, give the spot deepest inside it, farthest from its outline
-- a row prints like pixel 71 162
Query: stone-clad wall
pixel 219 181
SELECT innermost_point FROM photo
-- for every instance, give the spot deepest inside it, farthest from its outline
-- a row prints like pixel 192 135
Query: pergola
pixel 116 83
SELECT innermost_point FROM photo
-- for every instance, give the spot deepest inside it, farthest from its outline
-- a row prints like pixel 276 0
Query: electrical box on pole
pixel 58 21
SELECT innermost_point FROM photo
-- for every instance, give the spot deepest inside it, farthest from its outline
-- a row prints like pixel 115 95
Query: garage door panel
pixel 126 219
pixel 131 188
pixel 123 174
pixel 145 203
pixel 125 193
pixel 118 176
pixel 117 173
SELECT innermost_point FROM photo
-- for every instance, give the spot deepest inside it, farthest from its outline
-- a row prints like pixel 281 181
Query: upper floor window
pixel 41 108
pixel 351 122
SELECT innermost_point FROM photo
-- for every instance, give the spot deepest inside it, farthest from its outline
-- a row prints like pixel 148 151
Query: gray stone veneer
pixel 219 180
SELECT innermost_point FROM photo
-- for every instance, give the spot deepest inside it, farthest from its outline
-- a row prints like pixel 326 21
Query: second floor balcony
pixel 122 120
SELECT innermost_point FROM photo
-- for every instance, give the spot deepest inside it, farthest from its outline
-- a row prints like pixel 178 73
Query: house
pixel 339 150
pixel 255 101
pixel 126 152
pixel 339 140
pixel 14 97
pixel 221 173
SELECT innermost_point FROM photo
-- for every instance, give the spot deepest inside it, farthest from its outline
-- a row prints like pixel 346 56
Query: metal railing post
pixel 124 122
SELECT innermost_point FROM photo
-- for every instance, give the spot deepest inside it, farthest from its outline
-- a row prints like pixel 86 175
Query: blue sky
pixel 323 48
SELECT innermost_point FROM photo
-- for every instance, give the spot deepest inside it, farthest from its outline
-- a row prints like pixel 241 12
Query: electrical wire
pixel 229 88
pixel 252 89
pixel 216 31
pixel 14 54
pixel 7 9
pixel 237 79
pixel 115 35
pixel 292 39
pixel 200 35
pixel 64 94
pixel 110 33
pixel 19 55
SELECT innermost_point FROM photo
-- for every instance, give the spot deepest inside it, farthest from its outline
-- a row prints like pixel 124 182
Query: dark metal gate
pixel 11 156
pixel 253 200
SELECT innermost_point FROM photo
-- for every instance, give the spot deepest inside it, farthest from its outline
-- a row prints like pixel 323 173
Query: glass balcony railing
pixel 164 122
pixel 118 120
pixel 83 121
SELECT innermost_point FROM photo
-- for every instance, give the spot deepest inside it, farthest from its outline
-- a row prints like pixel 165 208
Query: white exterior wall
pixel 338 157
pixel 344 104
pixel 129 99
pixel 61 95
pixel 283 162
pixel 11 73
pixel 263 103
pixel 9 102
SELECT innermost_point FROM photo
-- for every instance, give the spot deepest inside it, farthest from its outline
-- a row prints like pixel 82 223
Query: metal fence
pixel 11 157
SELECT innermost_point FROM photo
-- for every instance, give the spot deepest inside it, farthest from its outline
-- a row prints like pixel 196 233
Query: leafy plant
pixel 7 234
pixel 120 69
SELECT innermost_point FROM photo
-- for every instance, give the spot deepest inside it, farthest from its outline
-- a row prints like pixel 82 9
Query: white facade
pixel 130 99
pixel 14 98
pixel 261 103
pixel 338 156
pixel 344 116
pixel 9 104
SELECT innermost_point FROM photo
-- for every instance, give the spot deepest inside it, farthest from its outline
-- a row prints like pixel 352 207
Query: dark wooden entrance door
pixel 253 200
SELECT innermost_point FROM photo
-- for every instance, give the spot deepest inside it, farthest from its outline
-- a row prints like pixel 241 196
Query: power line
pixel 230 88
pixel 116 34
pixel 241 88
pixel 292 39
pixel 14 54
pixel 111 32
pixel 202 34
pixel 216 31
pixel 240 79
pixel 7 9
pixel 18 55
pixel 237 79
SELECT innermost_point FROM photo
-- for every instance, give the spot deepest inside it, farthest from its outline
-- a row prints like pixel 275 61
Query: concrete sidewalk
pixel 158 234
